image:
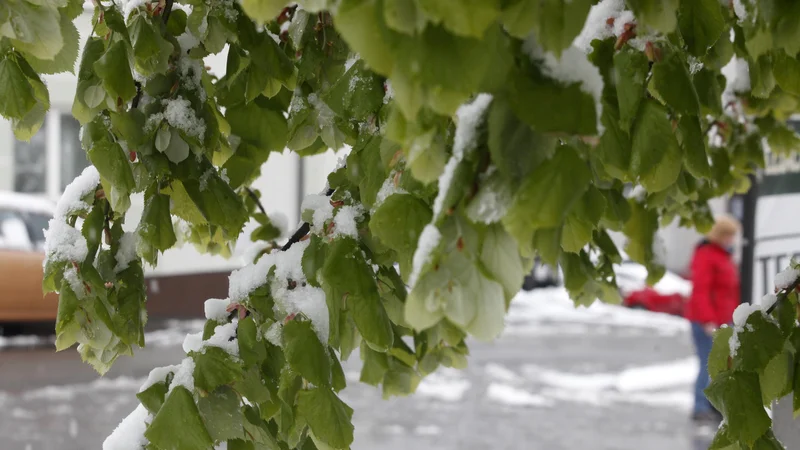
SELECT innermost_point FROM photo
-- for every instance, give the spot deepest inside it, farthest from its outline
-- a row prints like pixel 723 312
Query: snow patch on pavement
pixel 513 396
pixel 447 385
pixel 529 310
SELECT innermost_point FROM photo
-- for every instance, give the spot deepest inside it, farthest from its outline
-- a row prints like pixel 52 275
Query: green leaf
pixel 549 106
pixel 546 195
pixel 659 14
pixel 178 424
pixel 263 10
pixel 468 18
pixel 251 348
pixel 515 147
pixel 738 396
pixel 305 353
pixel 720 352
pixel 763 78
pixel 150 50
pixel 693 143
pixel 64 60
pixel 375 366
pixel 701 24
pixel 500 257
pixel 641 229
pixel 709 91
pixel 776 378
pixel 672 83
pixel 347 273
pixel 115 72
pixel 153 397
pixel 221 414
pixel 398 222
pixel 35 30
pixel 328 417
pixel 262 127
pixel 787 72
pixel 214 367
pixel 759 342
pixel 156 226
pixel 16 97
pixel 652 139
pixel 555 23
pixel 632 68
pixel 113 165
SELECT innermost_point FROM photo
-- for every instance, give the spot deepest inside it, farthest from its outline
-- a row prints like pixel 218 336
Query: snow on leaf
pixel 572 67
pixel 71 200
pixel 129 434
pixel 428 240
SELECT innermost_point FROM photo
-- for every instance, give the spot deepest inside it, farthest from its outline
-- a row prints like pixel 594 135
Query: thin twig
pixel 256 199
pixel 302 231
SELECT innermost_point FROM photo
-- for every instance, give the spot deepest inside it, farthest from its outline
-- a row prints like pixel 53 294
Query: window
pixel 30 163
pixel 73 158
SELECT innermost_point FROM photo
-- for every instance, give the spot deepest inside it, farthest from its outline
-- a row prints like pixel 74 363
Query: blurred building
pixel 183 278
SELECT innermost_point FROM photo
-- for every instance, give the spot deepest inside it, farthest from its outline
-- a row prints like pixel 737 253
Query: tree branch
pixel 302 231
pixel 783 295
pixel 167 10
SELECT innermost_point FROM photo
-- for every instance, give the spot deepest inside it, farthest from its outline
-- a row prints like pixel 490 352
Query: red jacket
pixel 716 286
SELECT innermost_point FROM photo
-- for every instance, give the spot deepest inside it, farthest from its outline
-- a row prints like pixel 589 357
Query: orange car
pixel 23 219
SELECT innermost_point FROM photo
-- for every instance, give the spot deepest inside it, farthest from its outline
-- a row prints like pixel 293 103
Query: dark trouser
pixel 702 345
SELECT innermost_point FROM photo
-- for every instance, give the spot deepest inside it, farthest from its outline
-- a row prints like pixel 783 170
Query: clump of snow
pixel 193 342
pixel 158 375
pixel 350 61
pixel 71 200
pixel 767 301
pixel 491 202
pixel 468 117
pixel 290 298
pixel 224 337
pixel 129 434
pixel 216 309
pixel 126 253
pixel 659 250
pixel 127 6
pixel 572 67
pixel 346 220
pixel 279 221
pixel 388 188
pixel 322 211
pixel 184 375
pixel 64 243
pixel 600 23
pixel 180 114
pixel 740 9
pixel 740 316
pixel 737 76
pixel 428 240
pixel 742 313
pixel 513 396
pixel 75 283
pixel 786 277
pixel 389 95
pixel 445 384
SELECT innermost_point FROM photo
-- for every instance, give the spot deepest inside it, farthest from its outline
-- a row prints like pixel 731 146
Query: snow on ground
pixel 531 310
pixel 447 385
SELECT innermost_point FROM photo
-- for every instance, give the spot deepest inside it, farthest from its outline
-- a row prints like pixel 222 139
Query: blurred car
pixel 542 275
pixel 669 295
pixel 23 219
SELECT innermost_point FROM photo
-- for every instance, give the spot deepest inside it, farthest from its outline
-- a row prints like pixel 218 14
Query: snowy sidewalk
pixel 560 378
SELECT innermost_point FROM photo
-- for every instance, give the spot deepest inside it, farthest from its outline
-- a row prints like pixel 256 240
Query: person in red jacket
pixel 715 294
